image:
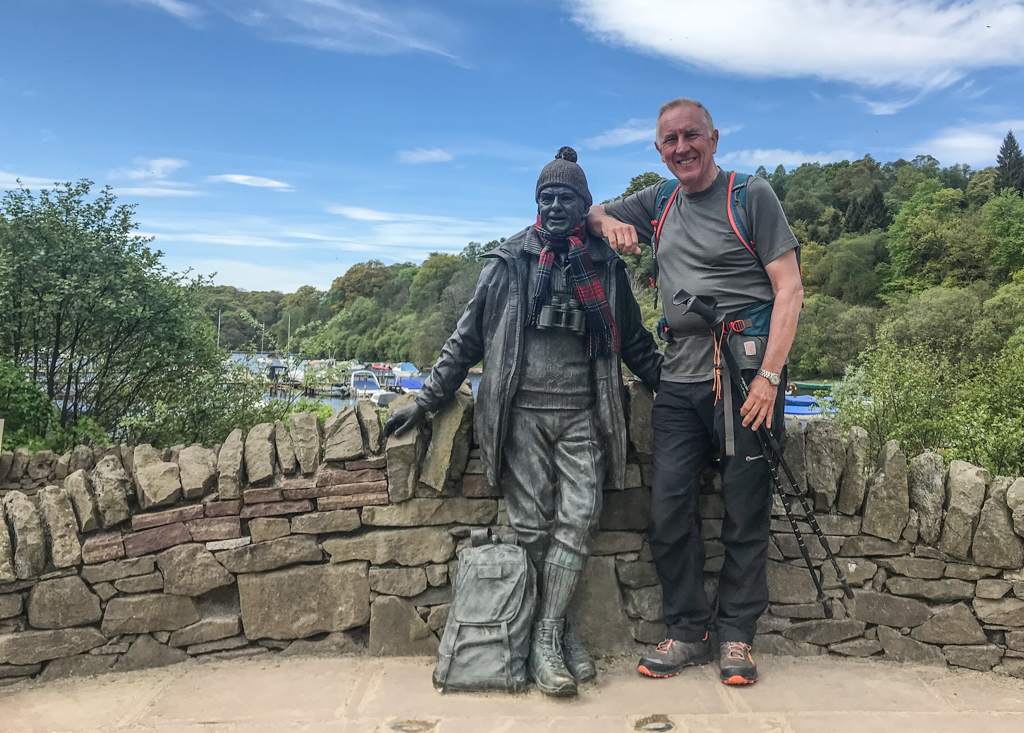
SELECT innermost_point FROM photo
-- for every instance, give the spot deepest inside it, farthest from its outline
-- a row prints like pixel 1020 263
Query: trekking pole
pixel 706 308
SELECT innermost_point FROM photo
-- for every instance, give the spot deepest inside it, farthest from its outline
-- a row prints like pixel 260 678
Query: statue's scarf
pixel 603 336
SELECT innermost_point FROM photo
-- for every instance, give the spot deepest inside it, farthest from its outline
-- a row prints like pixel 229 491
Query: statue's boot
pixel 578 662
pixel 547 665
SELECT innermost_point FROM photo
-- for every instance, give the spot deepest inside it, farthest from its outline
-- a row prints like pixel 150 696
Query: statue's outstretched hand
pixel 403 419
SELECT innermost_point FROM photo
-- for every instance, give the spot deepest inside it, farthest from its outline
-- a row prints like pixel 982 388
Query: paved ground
pixel 358 695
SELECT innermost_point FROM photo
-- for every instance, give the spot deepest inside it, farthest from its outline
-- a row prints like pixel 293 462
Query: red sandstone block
pixel 372 462
pixel 169 516
pixel 261 496
pixel 475 485
pixel 223 508
pixel 335 476
pixel 371 487
pixel 102 547
pixel 156 539
pixel 216 528
pixel 306 482
pixel 276 508
pixel 329 503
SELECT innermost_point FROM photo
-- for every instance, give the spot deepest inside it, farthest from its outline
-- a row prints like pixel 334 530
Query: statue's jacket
pixel 492 328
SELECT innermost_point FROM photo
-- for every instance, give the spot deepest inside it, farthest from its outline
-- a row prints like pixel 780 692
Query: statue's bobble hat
pixel 564 171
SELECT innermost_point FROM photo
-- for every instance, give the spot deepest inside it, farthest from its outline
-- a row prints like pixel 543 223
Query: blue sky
pixel 277 142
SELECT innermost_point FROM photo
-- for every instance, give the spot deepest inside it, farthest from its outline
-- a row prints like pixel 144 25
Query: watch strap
pixel 774 379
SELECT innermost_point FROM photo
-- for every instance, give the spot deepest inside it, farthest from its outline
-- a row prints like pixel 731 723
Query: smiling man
pixel 712 238
pixel 551 318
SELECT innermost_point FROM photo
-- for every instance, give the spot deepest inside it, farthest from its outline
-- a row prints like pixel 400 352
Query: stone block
pixel 61 603
pixel 147 653
pixel 995 542
pixel 140 583
pixel 645 603
pixel 158 484
pixel 302 601
pixel 263 529
pixel 437 575
pixel 940 591
pixel 156 539
pixel 405 582
pixel 914 567
pixel 780 646
pixel 855 473
pixel 448 451
pixel 825 632
pixel 117 569
pixel 787 544
pixel 335 644
pixel 858 572
pixel 378 462
pixel 993 588
pixel 329 476
pixel 438 617
pixel 431 512
pixel 969 572
pixel 260 452
pixel 636 574
pixel 7 574
pixel 32 647
pixel 168 516
pixel 982 658
pixel 206 630
pixel 145 455
pixel 1002 612
pixel 214 528
pixel 332 503
pixel 198 471
pixel 927 494
pixel 790 584
pixel 887 506
pixel 231 466
pixel 41 465
pixel 615 543
pixel 284 449
pixel 317 492
pixel 61 527
pixel 81 459
pixel 899 648
pixel 78 488
pixel 102 547
pixel 227 508
pixel 141 614
pixel 629 509
pixel 856 648
pixel 191 570
pixel 887 610
pixel 19 462
pixel 403 454
pixel 230 544
pixel 641 434
pixel 81 665
pixel 306 440
pixel 27 532
pixel 826 458
pixel 402 546
pixel 271 555
pixel 951 625
pixel 341 520
pixel 275 509
pixel 1015 503
pixel 111 487
pixel 864 546
pixel 397 630
pixel 478 487
pixel 343 437
pixel 965 494
pixel 10 605
pixel 6 459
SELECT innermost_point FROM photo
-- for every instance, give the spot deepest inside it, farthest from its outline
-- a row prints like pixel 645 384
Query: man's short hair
pixel 679 102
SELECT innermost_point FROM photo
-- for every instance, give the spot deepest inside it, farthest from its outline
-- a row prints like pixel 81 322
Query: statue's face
pixel 560 209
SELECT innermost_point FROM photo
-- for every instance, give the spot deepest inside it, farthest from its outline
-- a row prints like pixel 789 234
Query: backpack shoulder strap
pixel 737 211
pixel 666 194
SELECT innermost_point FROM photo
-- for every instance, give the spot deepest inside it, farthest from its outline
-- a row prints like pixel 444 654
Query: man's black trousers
pixel 689 431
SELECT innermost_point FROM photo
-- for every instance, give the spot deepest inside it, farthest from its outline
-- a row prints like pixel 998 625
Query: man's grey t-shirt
pixel 700 253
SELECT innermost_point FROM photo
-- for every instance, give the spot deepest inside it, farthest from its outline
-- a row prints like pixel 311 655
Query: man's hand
pixel 620 236
pixel 760 404
pixel 403 420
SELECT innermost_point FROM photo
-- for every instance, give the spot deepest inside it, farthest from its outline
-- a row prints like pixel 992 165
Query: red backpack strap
pixel 737 226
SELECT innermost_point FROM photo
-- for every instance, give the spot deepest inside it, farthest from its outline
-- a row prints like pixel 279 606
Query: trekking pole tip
pixel 848 591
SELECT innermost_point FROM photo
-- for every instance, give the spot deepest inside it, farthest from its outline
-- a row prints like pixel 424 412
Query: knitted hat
pixel 563 171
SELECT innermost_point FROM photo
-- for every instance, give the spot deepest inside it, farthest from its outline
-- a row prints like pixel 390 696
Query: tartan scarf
pixel 603 335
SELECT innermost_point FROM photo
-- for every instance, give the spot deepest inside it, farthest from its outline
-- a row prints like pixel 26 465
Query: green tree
pixel 1004 218
pixel 1010 164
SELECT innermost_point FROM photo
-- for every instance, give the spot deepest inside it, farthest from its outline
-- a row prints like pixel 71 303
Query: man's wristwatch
pixel 773 379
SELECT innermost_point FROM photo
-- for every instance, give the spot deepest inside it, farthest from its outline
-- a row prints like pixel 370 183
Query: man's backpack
pixel 486 641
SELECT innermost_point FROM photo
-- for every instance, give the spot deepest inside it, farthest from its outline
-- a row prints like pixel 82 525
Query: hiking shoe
pixel 577 661
pixel 547 665
pixel 736 666
pixel 672 656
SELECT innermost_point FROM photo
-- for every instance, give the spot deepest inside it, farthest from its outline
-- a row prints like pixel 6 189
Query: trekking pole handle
pixel 703 305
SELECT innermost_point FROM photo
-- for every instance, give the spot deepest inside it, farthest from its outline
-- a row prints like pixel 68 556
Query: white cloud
pixel 154 191
pixel 149 169
pixel 778 156
pixel 177 8
pixel 422 155
pixel 256 181
pixel 633 131
pixel 357 212
pixel 922 44
pixel 729 130
pixel 245 274
pixel 11 180
pixel 975 144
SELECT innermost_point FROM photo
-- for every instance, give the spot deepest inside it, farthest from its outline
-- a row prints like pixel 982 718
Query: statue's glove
pixel 403 420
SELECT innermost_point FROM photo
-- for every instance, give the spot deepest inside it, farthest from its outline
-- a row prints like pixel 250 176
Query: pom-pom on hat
pixel 564 171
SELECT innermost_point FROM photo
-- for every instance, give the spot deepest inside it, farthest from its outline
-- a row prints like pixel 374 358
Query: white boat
pixel 363 384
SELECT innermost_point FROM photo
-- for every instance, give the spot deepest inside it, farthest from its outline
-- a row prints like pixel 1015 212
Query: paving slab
pixel 367 695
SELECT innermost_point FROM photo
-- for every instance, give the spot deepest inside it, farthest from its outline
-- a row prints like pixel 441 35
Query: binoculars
pixel 562 313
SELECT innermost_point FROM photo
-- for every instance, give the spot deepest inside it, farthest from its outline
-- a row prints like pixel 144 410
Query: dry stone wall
pixel 317 538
